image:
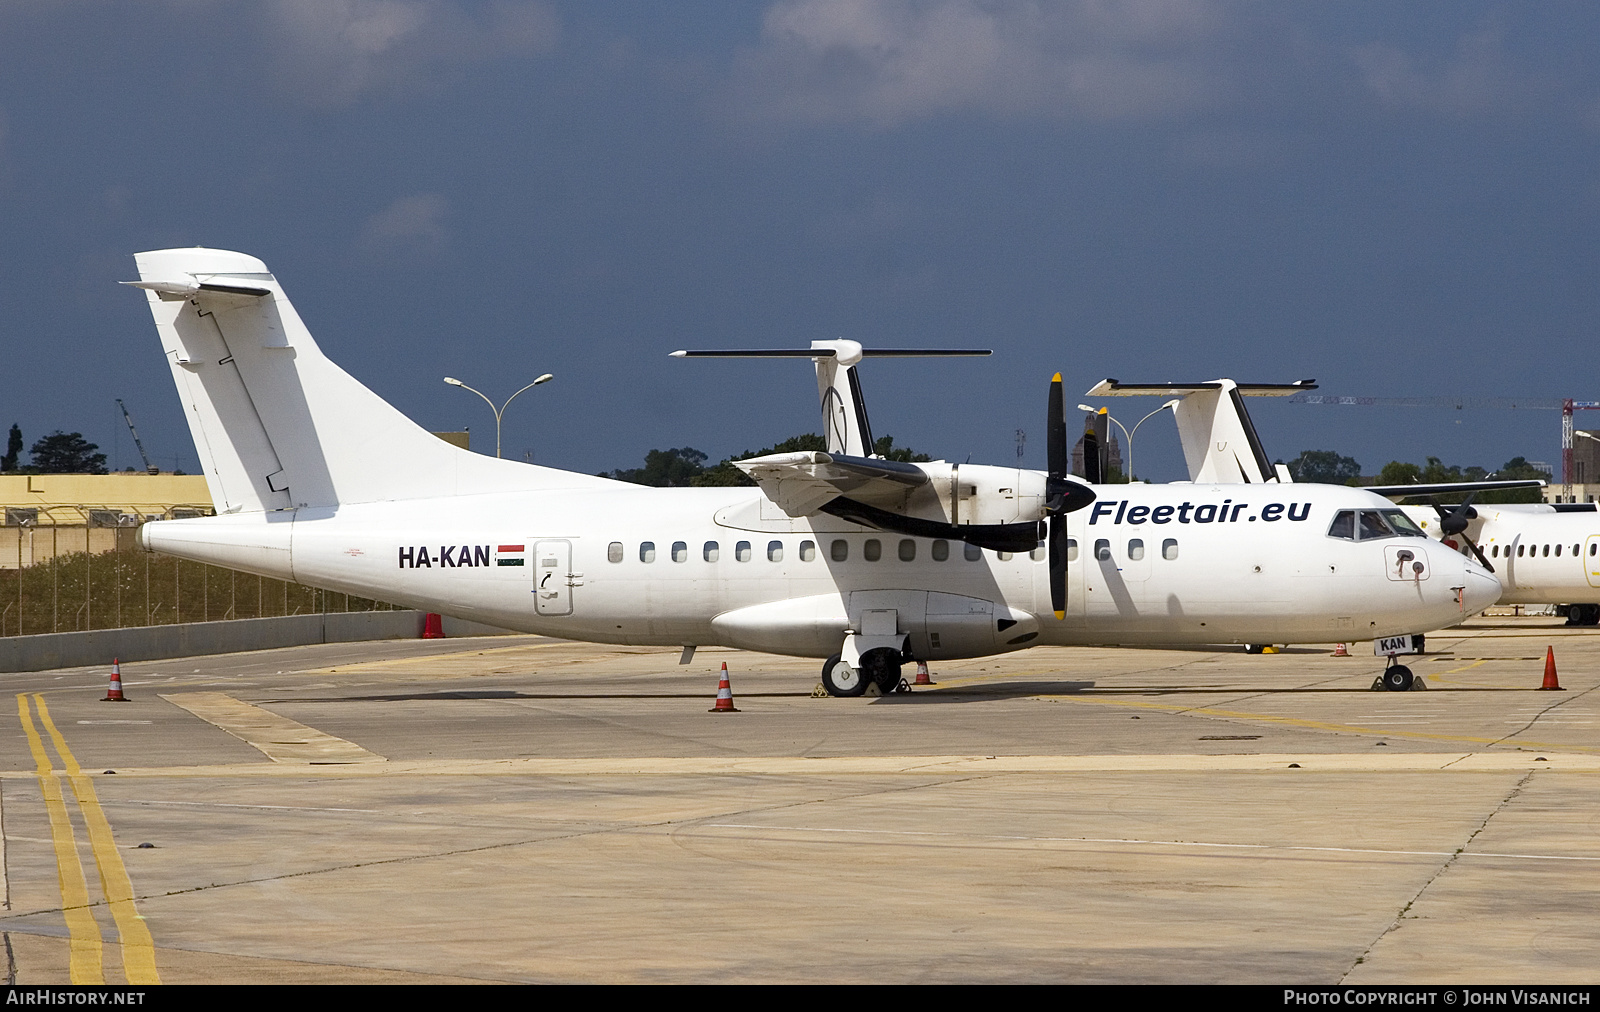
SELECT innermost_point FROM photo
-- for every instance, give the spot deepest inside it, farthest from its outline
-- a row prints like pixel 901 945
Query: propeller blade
pixel 1056 427
pixel 1058 566
pixel 1091 457
pixel 1477 552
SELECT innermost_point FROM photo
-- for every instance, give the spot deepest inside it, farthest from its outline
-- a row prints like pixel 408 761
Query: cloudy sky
pixel 1395 199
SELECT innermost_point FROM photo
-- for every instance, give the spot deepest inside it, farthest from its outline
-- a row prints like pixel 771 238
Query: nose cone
pixel 1482 588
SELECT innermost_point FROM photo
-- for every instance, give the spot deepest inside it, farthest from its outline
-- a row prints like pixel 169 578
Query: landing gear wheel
pixel 882 665
pixel 1397 678
pixel 840 679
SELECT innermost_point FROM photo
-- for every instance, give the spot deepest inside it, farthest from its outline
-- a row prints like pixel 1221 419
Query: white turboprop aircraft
pixel 318 480
pixel 1542 553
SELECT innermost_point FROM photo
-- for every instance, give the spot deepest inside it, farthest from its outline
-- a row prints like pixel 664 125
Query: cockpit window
pixel 1371 526
pixel 1403 524
pixel 1343 526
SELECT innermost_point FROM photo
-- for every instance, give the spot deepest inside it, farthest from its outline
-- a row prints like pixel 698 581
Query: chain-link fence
pixel 118 585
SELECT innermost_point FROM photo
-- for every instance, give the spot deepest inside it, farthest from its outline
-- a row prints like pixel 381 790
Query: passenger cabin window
pixel 647 551
pixel 774 551
pixel 908 550
pixel 680 551
pixel 1003 556
pixel 1135 550
pixel 872 551
pixel 940 550
pixel 1169 549
pixel 839 550
pixel 1072 549
pixel 972 553
pixel 1102 550
pixel 614 552
pixel 710 552
pixel 1038 554
pixel 741 551
pixel 808 551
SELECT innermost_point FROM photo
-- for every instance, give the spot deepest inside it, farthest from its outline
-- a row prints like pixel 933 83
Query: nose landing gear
pixel 1397 678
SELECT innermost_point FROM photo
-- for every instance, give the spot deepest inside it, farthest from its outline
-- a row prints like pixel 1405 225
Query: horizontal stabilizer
pixel 1116 388
pixel 1446 488
pixel 834 353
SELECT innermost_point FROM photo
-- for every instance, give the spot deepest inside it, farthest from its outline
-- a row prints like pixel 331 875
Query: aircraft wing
pixel 1446 488
pixel 802 483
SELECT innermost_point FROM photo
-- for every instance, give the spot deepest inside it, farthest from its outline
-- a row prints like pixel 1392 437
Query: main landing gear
pixel 879 666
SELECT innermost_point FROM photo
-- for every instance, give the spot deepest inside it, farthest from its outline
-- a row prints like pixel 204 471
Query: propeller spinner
pixel 1453 523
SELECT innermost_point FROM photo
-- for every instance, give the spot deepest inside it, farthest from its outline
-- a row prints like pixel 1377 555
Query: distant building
pixel 46 515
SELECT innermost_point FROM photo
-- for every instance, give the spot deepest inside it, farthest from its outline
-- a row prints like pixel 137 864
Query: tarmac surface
pixel 517 809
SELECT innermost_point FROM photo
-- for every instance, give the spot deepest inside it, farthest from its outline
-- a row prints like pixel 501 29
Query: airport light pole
pixel 501 410
pixel 1128 436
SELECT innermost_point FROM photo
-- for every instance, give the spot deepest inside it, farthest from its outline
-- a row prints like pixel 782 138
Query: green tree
pixel 1516 467
pixel 1399 473
pixel 67 453
pixel 1324 467
pixel 8 462
pixel 672 468
pixel 725 474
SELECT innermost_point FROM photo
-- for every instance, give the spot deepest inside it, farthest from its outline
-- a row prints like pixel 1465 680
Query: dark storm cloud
pixel 1393 198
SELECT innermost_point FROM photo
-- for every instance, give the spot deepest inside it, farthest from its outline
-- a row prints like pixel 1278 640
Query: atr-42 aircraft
pixel 862 561
pixel 1543 553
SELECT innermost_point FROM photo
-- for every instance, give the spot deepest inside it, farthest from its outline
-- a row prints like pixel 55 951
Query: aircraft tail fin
pixel 276 423
pixel 1220 443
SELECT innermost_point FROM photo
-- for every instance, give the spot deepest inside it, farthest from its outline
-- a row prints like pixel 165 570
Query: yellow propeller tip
pixel 1056 378
pixel 1061 616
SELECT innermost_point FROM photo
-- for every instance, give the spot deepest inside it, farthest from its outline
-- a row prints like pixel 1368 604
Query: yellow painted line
pixel 1456 671
pixel 84 955
pixel 138 948
pixel 937 765
pixel 282 740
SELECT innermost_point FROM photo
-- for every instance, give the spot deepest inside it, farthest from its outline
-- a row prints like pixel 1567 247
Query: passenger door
pixel 553 578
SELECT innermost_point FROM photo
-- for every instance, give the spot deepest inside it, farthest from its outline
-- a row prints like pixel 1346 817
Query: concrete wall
pixel 79 649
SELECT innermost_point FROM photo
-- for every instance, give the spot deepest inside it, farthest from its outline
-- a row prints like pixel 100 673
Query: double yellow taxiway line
pixel 85 963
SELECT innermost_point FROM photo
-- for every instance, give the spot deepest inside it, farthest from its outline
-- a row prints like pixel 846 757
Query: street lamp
pixel 1126 435
pixel 500 411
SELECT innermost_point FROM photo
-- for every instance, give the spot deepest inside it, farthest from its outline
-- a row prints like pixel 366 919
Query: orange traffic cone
pixel 922 675
pixel 114 694
pixel 1550 681
pixel 724 694
pixel 432 627
pixel 1339 650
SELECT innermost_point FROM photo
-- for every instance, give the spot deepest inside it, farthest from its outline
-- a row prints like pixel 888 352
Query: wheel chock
pixel 820 692
pixel 873 690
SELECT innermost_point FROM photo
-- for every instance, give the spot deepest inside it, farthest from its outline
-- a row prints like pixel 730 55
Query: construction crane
pixel 1564 405
pixel 148 467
